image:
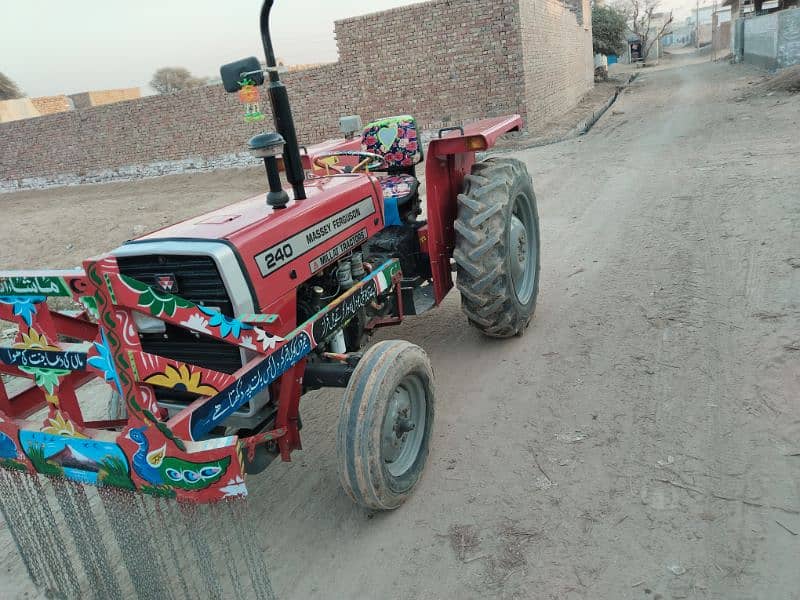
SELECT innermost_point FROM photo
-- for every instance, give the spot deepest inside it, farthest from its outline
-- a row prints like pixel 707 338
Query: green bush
pixel 608 30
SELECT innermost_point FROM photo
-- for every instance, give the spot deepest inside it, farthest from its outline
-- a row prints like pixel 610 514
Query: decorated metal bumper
pixel 173 457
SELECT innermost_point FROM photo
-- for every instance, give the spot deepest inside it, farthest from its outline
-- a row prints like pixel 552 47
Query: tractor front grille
pixel 198 280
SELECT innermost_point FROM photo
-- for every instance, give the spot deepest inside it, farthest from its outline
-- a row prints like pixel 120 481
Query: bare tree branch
pixel 641 14
pixel 660 33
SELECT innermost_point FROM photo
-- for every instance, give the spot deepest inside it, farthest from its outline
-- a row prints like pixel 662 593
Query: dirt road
pixel 641 440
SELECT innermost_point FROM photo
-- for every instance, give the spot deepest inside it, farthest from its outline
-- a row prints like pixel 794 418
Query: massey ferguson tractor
pixel 211 330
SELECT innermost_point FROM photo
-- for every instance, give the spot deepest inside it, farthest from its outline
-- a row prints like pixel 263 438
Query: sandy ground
pixel 640 441
pixel 60 227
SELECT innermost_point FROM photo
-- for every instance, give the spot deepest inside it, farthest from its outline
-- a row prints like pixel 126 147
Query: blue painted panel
pixel 81 459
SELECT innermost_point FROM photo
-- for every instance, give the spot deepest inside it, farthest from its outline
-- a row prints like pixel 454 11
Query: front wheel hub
pixel 403 427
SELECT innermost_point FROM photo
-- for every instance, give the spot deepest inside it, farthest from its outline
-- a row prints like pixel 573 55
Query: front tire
pixel 497 247
pixel 385 425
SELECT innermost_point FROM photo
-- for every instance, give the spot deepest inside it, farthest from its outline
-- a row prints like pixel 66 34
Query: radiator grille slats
pixel 199 281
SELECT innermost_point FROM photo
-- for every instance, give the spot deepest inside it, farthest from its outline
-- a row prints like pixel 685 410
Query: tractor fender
pixel 451 156
pixel 474 137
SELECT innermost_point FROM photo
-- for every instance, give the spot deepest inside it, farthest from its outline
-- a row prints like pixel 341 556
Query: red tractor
pixel 211 330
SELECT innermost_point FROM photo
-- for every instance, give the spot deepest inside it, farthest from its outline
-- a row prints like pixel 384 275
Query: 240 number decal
pixel 278 256
pixel 285 251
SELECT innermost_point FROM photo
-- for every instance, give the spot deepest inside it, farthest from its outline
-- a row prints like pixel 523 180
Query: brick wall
pixel 557 57
pixel 444 61
pixel 48 105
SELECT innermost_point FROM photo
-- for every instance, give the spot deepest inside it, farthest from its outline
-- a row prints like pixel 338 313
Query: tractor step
pixel 418 300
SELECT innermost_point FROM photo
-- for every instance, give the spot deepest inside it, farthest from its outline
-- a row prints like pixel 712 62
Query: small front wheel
pixel 385 425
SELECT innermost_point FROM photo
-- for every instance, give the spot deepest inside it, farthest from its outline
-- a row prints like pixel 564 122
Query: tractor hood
pixel 286 245
pixel 237 221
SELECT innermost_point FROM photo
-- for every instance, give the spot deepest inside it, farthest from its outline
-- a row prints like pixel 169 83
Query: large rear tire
pixel 385 425
pixel 497 247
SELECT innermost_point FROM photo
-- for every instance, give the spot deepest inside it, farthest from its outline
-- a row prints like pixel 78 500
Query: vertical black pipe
pixel 277 196
pixel 281 111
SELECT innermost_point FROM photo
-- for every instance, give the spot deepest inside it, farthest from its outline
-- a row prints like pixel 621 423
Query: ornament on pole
pixel 249 96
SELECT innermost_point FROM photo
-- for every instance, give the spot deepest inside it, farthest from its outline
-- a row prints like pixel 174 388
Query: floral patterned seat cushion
pixel 398 186
pixel 394 138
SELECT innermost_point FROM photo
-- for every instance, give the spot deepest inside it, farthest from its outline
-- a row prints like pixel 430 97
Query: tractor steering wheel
pixel 369 163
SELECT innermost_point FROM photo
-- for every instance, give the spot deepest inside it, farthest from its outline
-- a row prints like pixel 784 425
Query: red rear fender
pixel 450 158
pixel 475 137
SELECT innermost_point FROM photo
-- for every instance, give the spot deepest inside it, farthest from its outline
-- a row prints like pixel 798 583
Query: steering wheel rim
pixel 378 161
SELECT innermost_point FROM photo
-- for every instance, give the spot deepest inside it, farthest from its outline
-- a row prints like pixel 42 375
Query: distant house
pixel 680 35
pixel 704 24
pixel 28 108
pixel 48 105
pixel 100 97
pixel 658 23
pixel 721 32
pixel 764 32
pixel 15 110
pixel 751 8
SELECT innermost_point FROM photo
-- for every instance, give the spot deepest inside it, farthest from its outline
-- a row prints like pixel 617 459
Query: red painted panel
pixel 262 228
pixel 74 327
pixel 449 160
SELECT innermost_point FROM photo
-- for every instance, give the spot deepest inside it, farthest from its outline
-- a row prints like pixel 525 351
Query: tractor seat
pixel 398 190
pixel 396 139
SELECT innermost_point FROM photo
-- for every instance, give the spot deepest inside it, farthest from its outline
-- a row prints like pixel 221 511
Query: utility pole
pixel 697 26
pixel 714 31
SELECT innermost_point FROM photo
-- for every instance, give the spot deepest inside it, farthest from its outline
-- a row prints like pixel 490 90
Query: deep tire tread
pixel 484 211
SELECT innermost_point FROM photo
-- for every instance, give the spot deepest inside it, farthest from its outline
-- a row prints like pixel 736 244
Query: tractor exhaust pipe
pixel 281 111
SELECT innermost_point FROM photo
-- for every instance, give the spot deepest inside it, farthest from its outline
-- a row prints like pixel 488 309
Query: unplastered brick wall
pixel 47 105
pixel 557 56
pixel 442 61
pixel 445 61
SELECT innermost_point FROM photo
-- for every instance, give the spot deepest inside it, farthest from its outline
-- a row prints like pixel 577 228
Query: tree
pixel 644 20
pixel 174 79
pixel 608 30
pixel 9 89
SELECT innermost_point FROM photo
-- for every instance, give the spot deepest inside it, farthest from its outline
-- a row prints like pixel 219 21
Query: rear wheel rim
pixel 523 248
pixel 403 428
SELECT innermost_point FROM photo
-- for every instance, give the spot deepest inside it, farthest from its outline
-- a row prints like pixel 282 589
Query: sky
pixel 67 46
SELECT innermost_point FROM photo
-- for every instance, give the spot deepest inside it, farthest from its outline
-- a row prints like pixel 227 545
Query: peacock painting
pixel 158 469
